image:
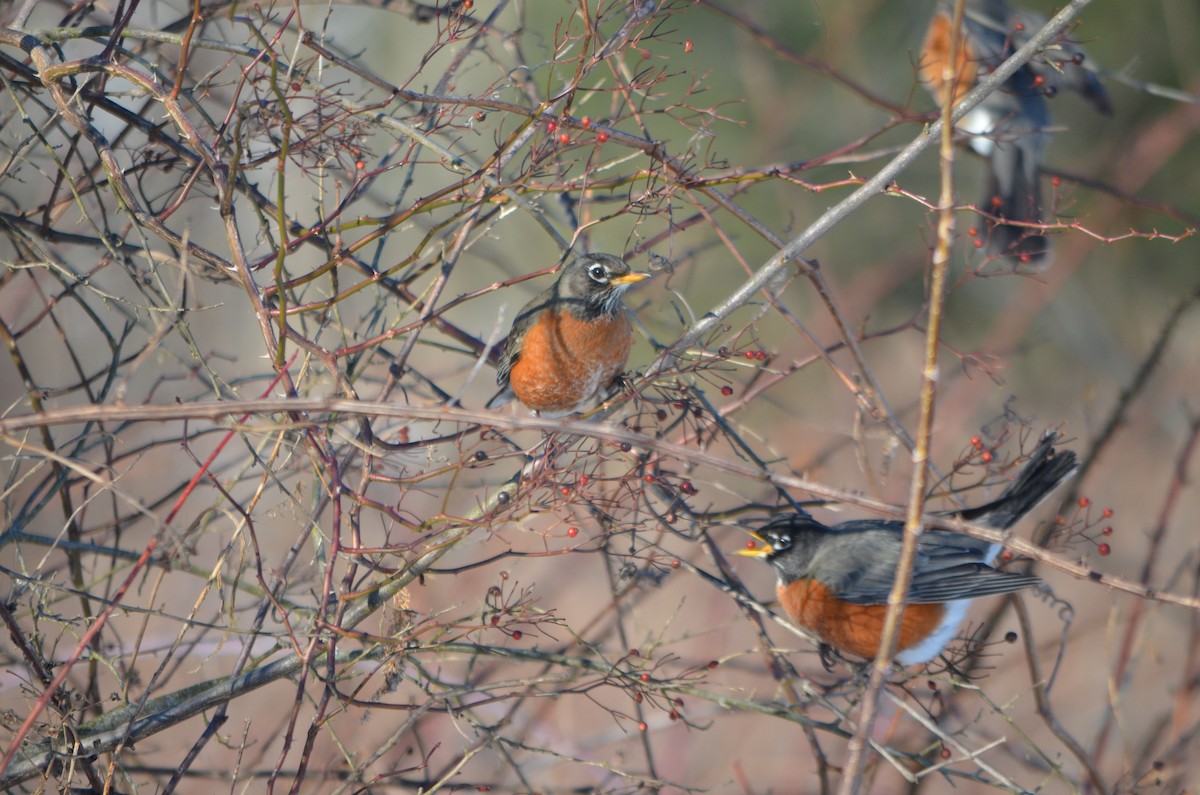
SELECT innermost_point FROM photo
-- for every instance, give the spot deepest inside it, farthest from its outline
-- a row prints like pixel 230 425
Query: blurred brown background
pixel 784 105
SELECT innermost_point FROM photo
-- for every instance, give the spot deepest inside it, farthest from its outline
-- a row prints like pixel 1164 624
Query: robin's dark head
pixel 592 284
pixel 788 543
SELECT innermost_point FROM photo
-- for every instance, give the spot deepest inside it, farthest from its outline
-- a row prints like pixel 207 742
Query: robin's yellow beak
pixel 629 278
pixel 755 551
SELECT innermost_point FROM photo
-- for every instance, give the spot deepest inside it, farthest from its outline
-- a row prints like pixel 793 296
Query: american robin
pixel 835 581
pixel 1010 126
pixel 571 341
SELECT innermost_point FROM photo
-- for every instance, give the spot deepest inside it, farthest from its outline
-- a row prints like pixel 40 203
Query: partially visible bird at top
pixel 1009 127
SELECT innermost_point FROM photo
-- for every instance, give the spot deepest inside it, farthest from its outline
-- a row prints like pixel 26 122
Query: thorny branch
pixel 268 201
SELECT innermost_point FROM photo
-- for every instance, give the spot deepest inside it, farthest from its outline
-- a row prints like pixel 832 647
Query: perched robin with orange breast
pixel 834 581
pixel 1010 126
pixel 571 341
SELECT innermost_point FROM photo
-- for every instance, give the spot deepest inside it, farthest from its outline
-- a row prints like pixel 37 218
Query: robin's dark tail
pixel 1017 119
pixel 1043 472
pixel 1013 194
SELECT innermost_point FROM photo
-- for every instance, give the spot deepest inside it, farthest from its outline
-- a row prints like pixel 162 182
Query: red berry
pixel 688 46
pixel 978 244
pixel 762 356
pixel 712 664
pixel 945 753
pixel 572 532
pixel 642 726
pixel 495 620
pixel 976 442
pixel 637 697
pixel 1105 549
pixel 1106 531
pixel 565 490
pixel 645 677
pixel 1007 555
pixel 1107 513
pixel 585 122
pixel 750 355
pixel 1056 181
pixel 551 126
pixel 649 478
pixel 726 391
pixel 675 564
pixel 679 703
pixel 673 715
pixel 972 231
pixel 1084 502
pixel 602 136
pixel 986 455
pixel 751 544
pixel 584 480
pixel 564 138
pixel 517 634
pixel 634 653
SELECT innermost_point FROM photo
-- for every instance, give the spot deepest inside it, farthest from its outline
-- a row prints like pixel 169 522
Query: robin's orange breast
pixel 936 54
pixel 851 628
pixel 564 361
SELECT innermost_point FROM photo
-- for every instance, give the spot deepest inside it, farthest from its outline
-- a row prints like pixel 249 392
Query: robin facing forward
pixel 835 581
pixel 571 341
pixel 1010 126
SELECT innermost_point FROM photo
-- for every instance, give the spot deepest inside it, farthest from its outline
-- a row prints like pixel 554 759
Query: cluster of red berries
pixel 1104 548
pixel 985 456
pixel 564 137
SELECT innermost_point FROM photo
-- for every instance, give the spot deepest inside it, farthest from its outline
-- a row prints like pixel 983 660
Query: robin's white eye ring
pixel 598 274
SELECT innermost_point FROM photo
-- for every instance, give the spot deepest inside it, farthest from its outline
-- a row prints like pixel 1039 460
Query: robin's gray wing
pixel 861 569
pixel 1060 65
pixel 995 31
pixel 967 581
